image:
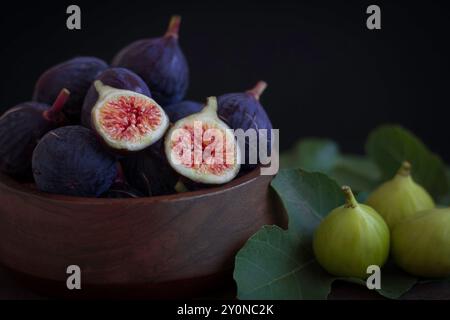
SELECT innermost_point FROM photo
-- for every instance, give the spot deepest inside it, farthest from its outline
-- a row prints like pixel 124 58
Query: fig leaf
pixel 390 145
pixel 280 264
pixel 322 155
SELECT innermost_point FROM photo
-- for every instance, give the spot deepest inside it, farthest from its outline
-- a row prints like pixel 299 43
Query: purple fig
pixel 76 75
pixel 244 111
pixel 182 109
pixel 21 127
pixel 160 62
pixel 71 161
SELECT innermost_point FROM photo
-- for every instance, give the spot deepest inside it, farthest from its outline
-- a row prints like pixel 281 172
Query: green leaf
pixel 390 145
pixel 307 198
pixel 274 264
pixel 311 154
pixel 280 264
pixel 359 172
pixel 322 155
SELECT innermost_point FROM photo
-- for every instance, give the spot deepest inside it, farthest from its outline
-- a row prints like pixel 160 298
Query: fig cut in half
pixel 127 120
pixel 202 148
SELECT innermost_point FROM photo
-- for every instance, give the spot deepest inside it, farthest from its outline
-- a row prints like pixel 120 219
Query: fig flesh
pixel 21 127
pixel 182 109
pixel 400 198
pixel 119 78
pixel 351 238
pixel 421 244
pixel 244 111
pixel 70 160
pixel 202 148
pixel 125 120
pixel 160 62
pixel 76 75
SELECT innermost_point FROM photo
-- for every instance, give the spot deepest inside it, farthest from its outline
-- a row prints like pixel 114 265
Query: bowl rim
pixel 16 187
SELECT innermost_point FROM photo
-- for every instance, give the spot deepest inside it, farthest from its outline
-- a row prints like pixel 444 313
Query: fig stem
pixel 350 201
pixel 258 89
pixel 174 27
pixel 211 105
pixel 405 169
pixel 56 108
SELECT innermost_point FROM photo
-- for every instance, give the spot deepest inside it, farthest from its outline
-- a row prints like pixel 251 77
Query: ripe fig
pixel 202 148
pixel 400 197
pixel 421 244
pixel 119 78
pixel 182 109
pixel 351 238
pixel 149 173
pixel 76 75
pixel 70 160
pixel 160 62
pixel 20 130
pixel 244 111
pixel 126 120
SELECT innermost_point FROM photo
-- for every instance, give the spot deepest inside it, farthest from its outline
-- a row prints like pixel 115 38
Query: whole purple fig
pixel 119 78
pixel 244 111
pixel 76 75
pixel 182 109
pixel 21 127
pixel 160 62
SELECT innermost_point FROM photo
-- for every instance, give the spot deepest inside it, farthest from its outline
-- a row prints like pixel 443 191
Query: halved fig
pixel 202 148
pixel 127 120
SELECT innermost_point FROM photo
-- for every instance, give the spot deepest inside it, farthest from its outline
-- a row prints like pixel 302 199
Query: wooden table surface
pixel 12 289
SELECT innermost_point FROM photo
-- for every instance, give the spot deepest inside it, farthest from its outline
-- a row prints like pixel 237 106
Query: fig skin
pixel 71 161
pixel 400 198
pixel 119 78
pixel 183 109
pixel 244 111
pixel 203 173
pixel 76 75
pixel 351 238
pixel 160 62
pixel 149 173
pixel 21 127
pixel 421 244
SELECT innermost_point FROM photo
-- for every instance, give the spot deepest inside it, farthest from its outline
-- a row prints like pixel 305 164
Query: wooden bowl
pixel 165 246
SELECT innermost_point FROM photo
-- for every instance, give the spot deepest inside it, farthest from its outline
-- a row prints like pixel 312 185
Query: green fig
pixel 351 238
pixel 400 198
pixel 421 245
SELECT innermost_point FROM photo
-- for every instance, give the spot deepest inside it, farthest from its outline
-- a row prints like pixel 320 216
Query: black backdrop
pixel 328 75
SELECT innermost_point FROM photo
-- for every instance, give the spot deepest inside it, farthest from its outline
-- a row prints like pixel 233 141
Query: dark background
pixel 328 75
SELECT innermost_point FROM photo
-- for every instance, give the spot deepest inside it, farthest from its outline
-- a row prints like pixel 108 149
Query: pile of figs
pixel 399 218
pixel 95 129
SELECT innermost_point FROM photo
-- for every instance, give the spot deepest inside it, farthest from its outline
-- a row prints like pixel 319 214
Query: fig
pixel 76 75
pixel 70 160
pixel 202 148
pixel 244 111
pixel 119 78
pixel 126 120
pixel 182 109
pixel 351 238
pixel 21 127
pixel 421 244
pixel 149 173
pixel 400 198
pixel 160 62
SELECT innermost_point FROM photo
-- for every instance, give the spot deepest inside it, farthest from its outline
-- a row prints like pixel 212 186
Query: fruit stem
pixel 211 105
pixel 56 108
pixel 258 89
pixel 350 201
pixel 174 27
pixel 405 169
